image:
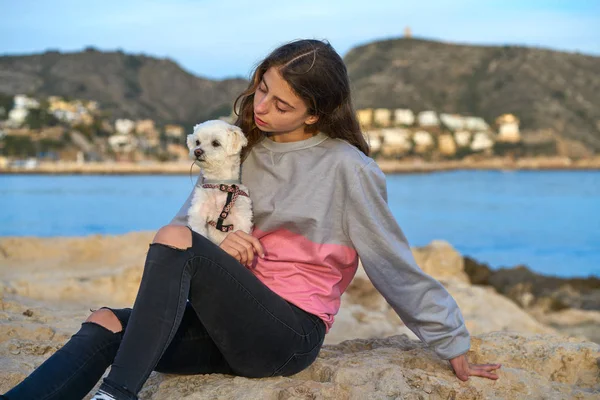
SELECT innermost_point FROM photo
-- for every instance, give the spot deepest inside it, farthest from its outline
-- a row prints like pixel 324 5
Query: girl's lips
pixel 259 121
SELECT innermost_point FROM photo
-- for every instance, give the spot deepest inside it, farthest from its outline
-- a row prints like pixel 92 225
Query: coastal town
pixel 60 135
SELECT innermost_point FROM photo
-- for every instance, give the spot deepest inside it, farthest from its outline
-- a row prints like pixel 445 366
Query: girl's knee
pixel 106 318
pixel 176 236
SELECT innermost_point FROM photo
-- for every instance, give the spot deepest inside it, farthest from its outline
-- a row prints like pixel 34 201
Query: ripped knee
pixel 174 236
pixel 107 319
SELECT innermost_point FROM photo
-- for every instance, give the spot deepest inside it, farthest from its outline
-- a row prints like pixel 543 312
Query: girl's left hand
pixel 463 370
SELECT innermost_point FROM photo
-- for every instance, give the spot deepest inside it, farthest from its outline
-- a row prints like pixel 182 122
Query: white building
pixel 65 115
pixel 174 131
pixel 482 141
pixel 462 138
pixel 22 101
pixel 476 124
pixel 124 126
pixel 423 141
pixel 382 117
pixel 365 117
pixel 22 105
pixel 446 145
pixel 374 140
pixel 453 122
pixel 428 119
pixel 16 116
pixel 404 117
pixel 396 141
pixel 508 128
pixel 121 143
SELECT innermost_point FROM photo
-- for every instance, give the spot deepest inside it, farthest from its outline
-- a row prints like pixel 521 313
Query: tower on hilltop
pixel 407 32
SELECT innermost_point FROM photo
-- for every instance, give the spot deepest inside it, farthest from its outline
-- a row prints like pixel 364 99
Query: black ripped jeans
pixel 198 311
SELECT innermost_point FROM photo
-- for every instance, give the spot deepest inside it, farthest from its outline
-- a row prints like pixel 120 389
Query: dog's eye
pixel 197 143
pixel 215 143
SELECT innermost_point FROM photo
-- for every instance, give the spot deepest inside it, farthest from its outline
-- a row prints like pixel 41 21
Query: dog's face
pixel 215 142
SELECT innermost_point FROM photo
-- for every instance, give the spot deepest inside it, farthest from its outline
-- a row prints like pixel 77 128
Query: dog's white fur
pixel 220 144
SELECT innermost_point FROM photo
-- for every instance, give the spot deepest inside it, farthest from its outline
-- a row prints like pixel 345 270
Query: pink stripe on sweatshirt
pixel 310 275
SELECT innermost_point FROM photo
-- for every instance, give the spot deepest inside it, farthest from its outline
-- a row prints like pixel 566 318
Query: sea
pixel 546 220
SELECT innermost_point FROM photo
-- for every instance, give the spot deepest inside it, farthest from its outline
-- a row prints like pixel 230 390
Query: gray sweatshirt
pixel 319 205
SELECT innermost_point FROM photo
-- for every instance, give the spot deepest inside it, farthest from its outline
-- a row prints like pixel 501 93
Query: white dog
pixel 222 204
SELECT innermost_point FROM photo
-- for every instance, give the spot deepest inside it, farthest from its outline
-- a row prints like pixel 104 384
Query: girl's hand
pixel 242 247
pixel 463 370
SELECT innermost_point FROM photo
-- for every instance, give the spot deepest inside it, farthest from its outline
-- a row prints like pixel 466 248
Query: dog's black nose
pixel 198 152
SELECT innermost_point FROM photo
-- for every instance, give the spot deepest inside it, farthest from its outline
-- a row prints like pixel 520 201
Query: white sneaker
pixel 102 395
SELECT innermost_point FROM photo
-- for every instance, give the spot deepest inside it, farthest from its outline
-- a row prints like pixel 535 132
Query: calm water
pixel 549 221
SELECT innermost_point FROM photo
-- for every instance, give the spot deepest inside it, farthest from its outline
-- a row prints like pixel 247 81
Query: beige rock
pixel 584 324
pixel 538 366
pixel 366 314
pixel 533 366
pixel 93 269
pixel 440 260
pixel 486 311
pixel 572 316
pixel 104 270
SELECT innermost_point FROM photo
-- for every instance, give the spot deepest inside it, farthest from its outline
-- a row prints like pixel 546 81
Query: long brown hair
pixel 317 74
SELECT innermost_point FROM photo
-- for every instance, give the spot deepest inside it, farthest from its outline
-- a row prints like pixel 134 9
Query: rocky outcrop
pixel 92 269
pixel 568 305
pixel 440 260
pixel 366 314
pixel 44 300
pixel 530 289
pixel 534 366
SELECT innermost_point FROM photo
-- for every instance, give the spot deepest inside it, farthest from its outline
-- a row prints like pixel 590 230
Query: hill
pixel 547 90
pixel 555 94
pixel 130 86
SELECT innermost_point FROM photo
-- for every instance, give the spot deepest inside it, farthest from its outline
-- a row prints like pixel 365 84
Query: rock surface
pixel 366 314
pixel 43 300
pixel 534 367
pixel 568 305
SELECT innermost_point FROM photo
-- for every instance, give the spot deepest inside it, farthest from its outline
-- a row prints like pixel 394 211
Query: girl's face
pixel 278 110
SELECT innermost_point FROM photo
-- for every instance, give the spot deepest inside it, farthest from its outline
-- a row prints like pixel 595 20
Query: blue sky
pixel 219 39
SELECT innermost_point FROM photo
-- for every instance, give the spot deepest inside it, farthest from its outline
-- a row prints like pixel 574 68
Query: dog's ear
pixel 190 141
pixel 236 140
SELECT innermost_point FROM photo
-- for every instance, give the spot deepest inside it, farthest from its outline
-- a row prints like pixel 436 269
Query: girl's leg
pixel 192 350
pixel 257 332
pixel 72 371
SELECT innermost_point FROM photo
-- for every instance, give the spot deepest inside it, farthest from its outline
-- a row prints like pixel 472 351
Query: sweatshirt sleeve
pixel 422 303
pixel 181 216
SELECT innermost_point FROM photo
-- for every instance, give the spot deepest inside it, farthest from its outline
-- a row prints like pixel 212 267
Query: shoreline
pixel 387 166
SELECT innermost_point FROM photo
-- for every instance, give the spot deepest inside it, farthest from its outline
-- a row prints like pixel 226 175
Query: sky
pixel 222 39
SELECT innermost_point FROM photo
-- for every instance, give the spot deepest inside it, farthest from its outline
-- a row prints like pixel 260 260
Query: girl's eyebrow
pixel 277 98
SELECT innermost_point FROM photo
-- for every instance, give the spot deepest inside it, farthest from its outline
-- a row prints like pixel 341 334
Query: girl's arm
pixel 422 303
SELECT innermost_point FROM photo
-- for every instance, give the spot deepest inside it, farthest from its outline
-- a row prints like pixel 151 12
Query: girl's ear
pixel 235 140
pixel 312 119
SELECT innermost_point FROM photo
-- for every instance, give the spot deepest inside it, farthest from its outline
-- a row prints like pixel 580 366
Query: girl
pixel 260 305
